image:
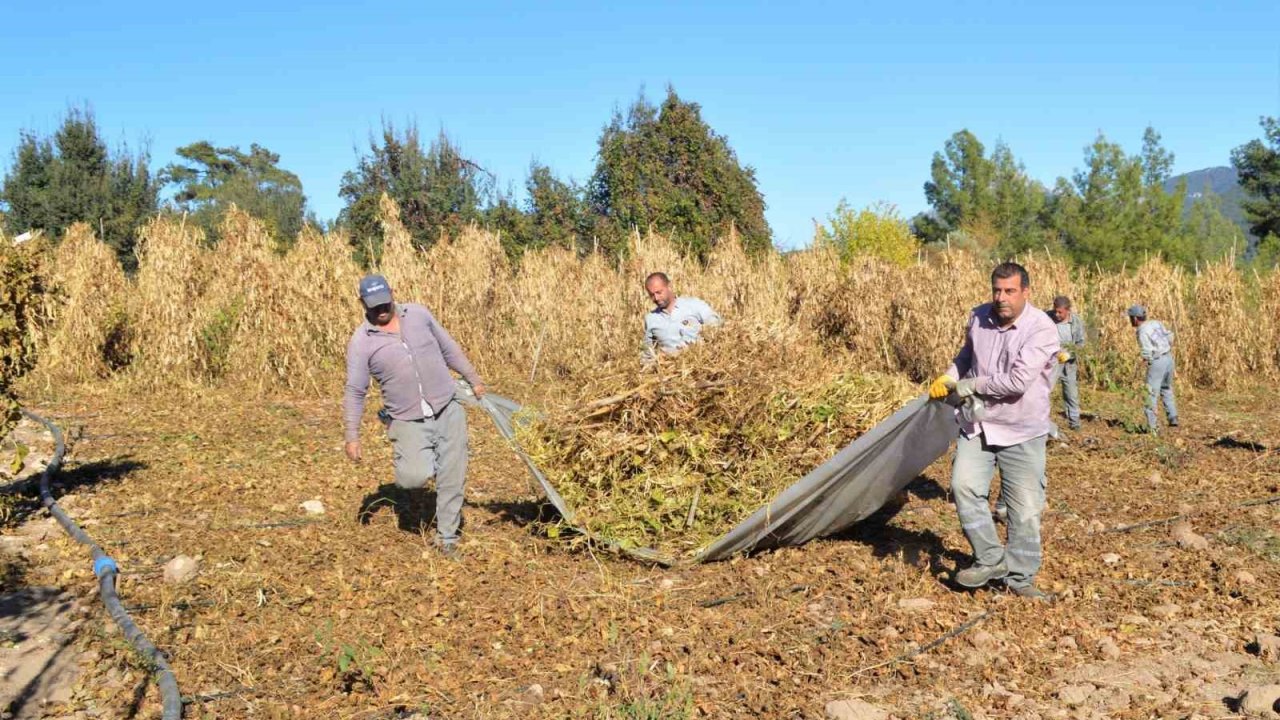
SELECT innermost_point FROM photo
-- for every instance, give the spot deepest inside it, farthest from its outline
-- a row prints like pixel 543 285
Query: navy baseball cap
pixel 374 291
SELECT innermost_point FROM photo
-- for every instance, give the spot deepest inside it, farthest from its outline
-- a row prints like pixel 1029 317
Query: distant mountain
pixel 1222 181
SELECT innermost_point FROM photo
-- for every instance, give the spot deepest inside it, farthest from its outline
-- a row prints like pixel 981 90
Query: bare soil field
pixel 1163 553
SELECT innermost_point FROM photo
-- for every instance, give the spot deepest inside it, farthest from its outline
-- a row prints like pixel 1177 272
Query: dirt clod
pixel 916 604
pixel 1261 701
pixel 1075 695
pixel 181 569
pixel 1186 537
pixel 854 710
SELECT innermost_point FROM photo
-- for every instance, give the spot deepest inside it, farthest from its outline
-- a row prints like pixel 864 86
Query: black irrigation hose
pixel 106 570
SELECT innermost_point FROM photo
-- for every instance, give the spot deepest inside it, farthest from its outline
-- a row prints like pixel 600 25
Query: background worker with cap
pixel 403 347
pixel 1155 341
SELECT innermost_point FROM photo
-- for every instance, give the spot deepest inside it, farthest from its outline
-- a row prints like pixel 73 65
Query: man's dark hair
pixel 1062 301
pixel 660 275
pixel 1006 270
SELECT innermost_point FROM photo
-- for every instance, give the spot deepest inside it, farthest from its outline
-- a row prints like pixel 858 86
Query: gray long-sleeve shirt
pixel 1154 339
pixel 412 368
pixel 1071 333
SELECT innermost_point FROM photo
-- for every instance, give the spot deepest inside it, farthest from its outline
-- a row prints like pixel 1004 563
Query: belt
pixel 438 412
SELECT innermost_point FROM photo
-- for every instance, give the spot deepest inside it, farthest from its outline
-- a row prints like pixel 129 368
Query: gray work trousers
pixel 1066 374
pixel 1160 385
pixel 1022 488
pixel 434 447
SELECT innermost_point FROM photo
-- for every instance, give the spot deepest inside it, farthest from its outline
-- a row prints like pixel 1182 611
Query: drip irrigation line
pixel 106 571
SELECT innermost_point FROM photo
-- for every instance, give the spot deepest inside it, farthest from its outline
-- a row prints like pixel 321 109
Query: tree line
pixel 1112 211
pixel 657 165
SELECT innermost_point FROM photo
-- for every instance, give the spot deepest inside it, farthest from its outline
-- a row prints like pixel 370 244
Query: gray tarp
pixel 848 488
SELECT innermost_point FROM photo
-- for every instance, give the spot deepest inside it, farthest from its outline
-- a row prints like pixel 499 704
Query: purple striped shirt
pixel 1013 369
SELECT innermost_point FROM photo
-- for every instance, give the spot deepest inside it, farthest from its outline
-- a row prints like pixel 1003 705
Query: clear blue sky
pixel 825 100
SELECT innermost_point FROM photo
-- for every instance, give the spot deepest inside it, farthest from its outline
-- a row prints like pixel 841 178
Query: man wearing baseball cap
pixel 404 348
pixel 1155 341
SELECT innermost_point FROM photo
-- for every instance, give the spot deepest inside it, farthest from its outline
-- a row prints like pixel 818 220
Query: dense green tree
pixel 977 194
pixel 960 183
pixel 1157 162
pixel 1115 211
pixel 554 213
pixel 1258 164
pixel 558 210
pixel 438 189
pixel 512 224
pixel 73 177
pixel 212 179
pixel 1017 203
pixel 1209 234
pixel 665 167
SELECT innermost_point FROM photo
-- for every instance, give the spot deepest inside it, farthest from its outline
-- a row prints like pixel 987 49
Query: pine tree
pixel 214 178
pixel 1258 164
pixel 73 177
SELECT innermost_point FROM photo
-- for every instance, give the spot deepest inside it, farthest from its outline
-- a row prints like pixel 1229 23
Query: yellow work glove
pixel 1063 356
pixel 941 387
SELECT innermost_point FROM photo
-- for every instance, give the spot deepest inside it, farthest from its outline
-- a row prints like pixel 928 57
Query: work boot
pixel 1031 592
pixel 978 575
pixel 449 551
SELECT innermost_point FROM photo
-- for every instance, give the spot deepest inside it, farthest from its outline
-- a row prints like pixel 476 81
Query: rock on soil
pixel 313 507
pixel 1108 648
pixel 1261 701
pixel 533 695
pixel 1266 646
pixel 181 569
pixel 1187 538
pixel 916 604
pixel 1075 695
pixel 854 710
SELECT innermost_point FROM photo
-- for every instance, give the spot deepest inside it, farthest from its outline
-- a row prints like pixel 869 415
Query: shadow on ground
pixel 522 513
pixel 23 495
pixel 36 649
pixel 415 510
pixel 916 547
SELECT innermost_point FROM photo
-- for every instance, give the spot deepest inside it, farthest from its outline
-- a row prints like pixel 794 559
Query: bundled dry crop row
pixel 20 291
pixel 243 313
pixel 675 454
